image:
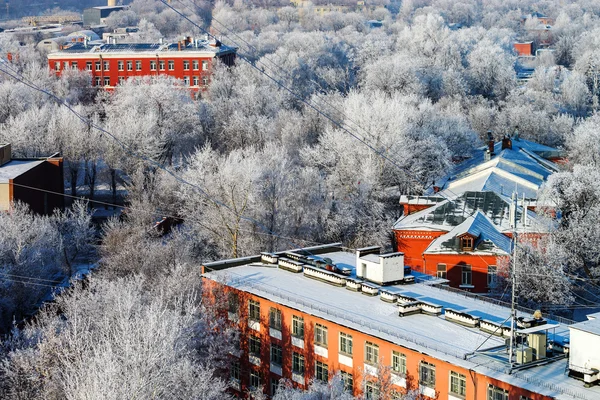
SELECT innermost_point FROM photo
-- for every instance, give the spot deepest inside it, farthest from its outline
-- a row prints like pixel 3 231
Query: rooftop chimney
pixel 490 150
pixel 506 142
pixel 5 153
pixel 112 3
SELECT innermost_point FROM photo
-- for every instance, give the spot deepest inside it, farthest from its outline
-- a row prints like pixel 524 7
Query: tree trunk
pixel 113 184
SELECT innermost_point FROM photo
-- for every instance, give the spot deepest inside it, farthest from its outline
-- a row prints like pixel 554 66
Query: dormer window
pixel 466 243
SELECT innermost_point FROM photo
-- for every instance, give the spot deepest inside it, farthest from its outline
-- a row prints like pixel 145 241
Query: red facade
pixel 109 68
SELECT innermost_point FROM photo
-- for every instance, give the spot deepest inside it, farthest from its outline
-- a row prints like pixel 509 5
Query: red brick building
pixel 31 181
pixel 461 228
pixel 301 321
pixel 190 60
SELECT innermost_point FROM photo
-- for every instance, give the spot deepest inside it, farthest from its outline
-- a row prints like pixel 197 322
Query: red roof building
pixel 110 64
pixel 461 229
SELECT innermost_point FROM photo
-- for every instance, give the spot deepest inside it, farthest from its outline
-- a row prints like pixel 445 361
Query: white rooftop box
pixel 379 268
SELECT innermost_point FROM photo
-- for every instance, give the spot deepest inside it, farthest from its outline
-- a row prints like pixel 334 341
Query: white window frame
pixel 321 371
pixel 345 344
pixel 442 273
pixel 275 318
pixel 427 374
pixel 321 335
pixel 458 384
pixel 254 310
pixel 466 275
pixel 298 327
pixel 371 353
pixel 298 363
pixel 398 362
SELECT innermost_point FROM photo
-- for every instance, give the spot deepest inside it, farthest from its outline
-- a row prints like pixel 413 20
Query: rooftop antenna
pixel 513 309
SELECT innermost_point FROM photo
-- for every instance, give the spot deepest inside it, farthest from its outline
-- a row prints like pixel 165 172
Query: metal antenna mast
pixel 513 309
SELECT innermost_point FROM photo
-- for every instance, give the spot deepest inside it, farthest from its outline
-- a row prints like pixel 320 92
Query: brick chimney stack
pixel 506 142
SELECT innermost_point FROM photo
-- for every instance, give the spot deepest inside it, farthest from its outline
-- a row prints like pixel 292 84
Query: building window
pixel 321 371
pixel 195 65
pixel 371 353
pixel 57 66
pixel 441 271
pixel 106 81
pixel 171 65
pixel 321 335
pixel 98 65
pixel 121 80
pixel 427 374
pixel 196 80
pixel 106 66
pixel 496 393
pixel 371 391
pixel 348 381
pixel 138 65
pixel 161 65
pixel 298 327
pixel 275 318
pixel 186 80
pixel 398 362
pixel 466 243
pixel 345 344
pixel 458 384
pixel 186 65
pixel 234 373
pixel 254 379
pixel 254 345
pixel 466 275
pixel 204 65
pixel 254 310
pixel 204 80
pixel 88 65
pixel 524 398
pixel 233 303
pixel 97 81
pixel 492 275
pixel 274 386
pixel 276 354
pixel 298 363
pixel 121 65
pixel 129 65
pixel 74 65
pixel 152 65
pixel 66 65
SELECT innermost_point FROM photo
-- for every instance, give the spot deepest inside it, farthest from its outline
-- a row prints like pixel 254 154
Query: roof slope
pixel 489 240
pixel 446 215
pixel 521 169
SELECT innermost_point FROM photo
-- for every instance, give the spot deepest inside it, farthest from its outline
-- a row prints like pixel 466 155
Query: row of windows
pixel 458 382
pixel 467 274
pixel 321 373
pixel 427 371
pixel 195 81
pixel 98 65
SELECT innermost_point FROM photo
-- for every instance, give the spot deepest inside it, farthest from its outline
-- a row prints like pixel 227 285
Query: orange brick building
pixel 302 321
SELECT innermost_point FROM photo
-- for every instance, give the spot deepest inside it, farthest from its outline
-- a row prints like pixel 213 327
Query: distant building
pixel 33 181
pixel 524 48
pixel 310 313
pixel 190 60
pixel 97 15
pixel 461 228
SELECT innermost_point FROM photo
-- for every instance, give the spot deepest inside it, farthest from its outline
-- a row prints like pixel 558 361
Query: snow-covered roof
pixel 431 335
pixel 592 325
pixel 446 214
pixel 488 239
pixel 15 168
pixel 200 46
pixel 521 169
